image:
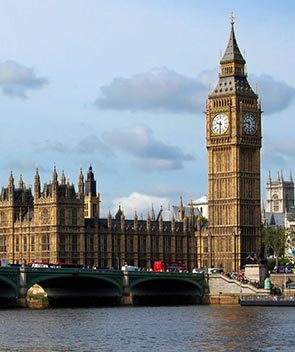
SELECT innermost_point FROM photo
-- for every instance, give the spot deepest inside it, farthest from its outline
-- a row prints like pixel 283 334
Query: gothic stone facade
pixel 59 224
pixel 233 135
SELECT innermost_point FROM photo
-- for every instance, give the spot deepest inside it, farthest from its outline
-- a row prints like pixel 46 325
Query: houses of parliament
pixel 58 223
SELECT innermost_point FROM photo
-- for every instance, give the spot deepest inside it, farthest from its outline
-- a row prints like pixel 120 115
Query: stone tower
pixel 279 194
pixel 233 135
pixel 92 199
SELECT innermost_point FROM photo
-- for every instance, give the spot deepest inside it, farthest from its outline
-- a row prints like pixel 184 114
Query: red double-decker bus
pixel 171 266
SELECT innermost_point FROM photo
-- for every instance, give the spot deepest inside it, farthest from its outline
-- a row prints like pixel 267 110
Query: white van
pixel 129 268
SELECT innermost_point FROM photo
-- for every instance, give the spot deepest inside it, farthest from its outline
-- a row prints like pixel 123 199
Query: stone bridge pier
pixel 127 298
pixel 22 288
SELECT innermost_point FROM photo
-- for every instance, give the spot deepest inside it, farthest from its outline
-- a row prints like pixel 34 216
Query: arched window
pixel 62 217
pixel 275 202
pixel 2 218
pixel 45 216
pixel 74 216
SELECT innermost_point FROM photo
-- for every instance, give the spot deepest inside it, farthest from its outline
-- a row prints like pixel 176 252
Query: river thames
pixel 183 328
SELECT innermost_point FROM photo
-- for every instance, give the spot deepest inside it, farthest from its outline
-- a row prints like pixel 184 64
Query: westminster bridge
pixel 66 286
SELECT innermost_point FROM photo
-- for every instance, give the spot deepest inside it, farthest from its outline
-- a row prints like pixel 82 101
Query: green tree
pixel 274 239
pixel 201 218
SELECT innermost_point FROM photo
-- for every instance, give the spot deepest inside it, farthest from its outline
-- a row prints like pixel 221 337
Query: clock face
pixel 249 123
pixel 220 124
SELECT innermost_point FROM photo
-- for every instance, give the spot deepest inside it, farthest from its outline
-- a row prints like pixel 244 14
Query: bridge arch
pixel 184 283
pixel 166 289
pixel 8 287
pixel 60 285
pixel 42 278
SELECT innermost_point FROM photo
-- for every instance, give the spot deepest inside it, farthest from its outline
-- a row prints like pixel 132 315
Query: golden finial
pixel 232 18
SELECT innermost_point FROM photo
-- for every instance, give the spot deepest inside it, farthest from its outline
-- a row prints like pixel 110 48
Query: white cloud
pixel 160 89
pixel 52 146
pixel 149 153
pixel 158 164
pixel 16 79
pixel 275 95
pixel 141 203
pixel 93 144
pixel 279 153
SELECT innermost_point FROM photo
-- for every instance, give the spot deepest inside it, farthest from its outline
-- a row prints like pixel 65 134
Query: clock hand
pixel 219 123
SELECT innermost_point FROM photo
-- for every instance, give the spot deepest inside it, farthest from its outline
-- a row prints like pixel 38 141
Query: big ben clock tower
pixel 233 137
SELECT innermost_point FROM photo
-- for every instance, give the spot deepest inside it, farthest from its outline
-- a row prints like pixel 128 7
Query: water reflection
pixel 189 328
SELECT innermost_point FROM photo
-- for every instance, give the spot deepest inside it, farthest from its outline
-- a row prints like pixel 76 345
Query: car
pixel 198 271
pixel 215 271
pixel 129 268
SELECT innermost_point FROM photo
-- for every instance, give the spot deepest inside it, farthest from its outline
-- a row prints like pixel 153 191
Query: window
pixel 62 243
pixel 62 217
pixel 205 243
pixel 91 243
pixel 167 244
pixel 25 243
pixel 2 218
pixel 275 203
pixel 45 245
pixel 74 243
pixel 74 216
pixel 45 216
pixel 17 243
pixel 86 210
pixel 94 209
pixel 3 246
pixel 32 243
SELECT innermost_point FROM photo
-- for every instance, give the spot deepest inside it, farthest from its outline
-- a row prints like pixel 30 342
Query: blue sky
pixel 122 85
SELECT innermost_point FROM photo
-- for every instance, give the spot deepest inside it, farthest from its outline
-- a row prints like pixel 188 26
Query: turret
pixel 180 210
pixel 173 227
pixel 185 224
pixel 37 186
pixel 91 199
pixel 122 222
pixel 90 183
pixel 10 187
pixel 21 184
pixel 161 223
pixel 135 221
pixel 119 213
pixel 191 217
pixel 269 177
pixel 148 223
pixel 63 178
pixel 153 216
pixel 81 184
pixel 109 220
pixel 54 183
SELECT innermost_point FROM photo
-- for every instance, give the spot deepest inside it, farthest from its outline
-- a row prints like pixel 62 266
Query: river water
pixel 183 328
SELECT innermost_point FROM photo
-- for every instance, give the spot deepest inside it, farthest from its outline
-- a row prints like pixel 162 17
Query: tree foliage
pixel 274 240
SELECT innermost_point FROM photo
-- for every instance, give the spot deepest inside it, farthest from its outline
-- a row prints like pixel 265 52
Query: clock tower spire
pixel 233 140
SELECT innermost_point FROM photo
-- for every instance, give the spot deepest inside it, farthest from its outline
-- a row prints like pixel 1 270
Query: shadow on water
pixel 83 302
pixel 165 300
pixel 8 303
pixel 116 302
